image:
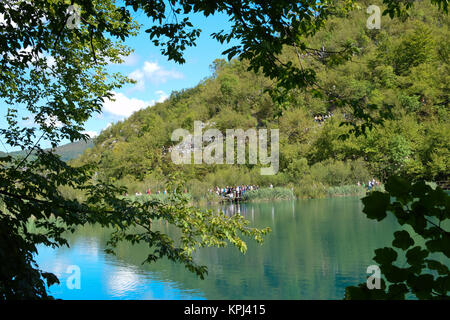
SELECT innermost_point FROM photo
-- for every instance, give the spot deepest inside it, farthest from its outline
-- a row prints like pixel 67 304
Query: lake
pixel 316 249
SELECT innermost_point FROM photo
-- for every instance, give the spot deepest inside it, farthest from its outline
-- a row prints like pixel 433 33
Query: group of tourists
pixel 149 192
pixel 233 192
pixel 229 192
pixel 371 184
pixel 320 118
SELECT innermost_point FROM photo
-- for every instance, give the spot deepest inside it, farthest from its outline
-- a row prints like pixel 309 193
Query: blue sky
pixel 156 76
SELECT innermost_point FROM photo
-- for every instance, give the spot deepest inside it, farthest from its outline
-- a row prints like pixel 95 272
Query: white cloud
pixel 91 134
pixel 154 73
pixel 138 76
pixel 151 68
pixel 162 96
pixel 131 60
pixel 124 106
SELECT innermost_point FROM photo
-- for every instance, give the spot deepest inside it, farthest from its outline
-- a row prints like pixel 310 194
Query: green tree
pixel 55 77
pixel 414 266
pixel 58 75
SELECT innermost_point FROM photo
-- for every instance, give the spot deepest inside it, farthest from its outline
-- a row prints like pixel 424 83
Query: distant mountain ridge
pixel 67 152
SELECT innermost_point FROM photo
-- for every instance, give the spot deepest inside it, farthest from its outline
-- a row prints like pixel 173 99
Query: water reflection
pixel 315 250
pixel 107 277
pixel 122 281
pixel 232 208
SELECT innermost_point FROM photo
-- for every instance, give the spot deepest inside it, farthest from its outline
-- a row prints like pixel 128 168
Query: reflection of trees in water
pixel 316 249
pixel 245 209
pixel 232 208
pixel 248 209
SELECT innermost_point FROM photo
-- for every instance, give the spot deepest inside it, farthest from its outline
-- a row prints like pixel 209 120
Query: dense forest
pixel 402 67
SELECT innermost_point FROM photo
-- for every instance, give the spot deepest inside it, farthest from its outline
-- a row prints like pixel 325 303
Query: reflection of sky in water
pixel 104 277
pixel 315 250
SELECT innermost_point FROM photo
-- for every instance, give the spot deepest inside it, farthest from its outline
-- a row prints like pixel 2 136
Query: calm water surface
pixel 316 249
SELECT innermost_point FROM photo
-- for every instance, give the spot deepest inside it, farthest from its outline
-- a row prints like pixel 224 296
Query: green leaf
pixel 439 245
pixel 416 255
pixel 51 278
pixel 361 292
pixel 422 284
pixel 438 266
pixel 398 188
pixel 394 274
pixel 385 256
pixel 397 291
pixel 402 240
pixel 376 205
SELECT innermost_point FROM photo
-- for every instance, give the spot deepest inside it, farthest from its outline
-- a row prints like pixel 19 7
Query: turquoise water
pixel 316 249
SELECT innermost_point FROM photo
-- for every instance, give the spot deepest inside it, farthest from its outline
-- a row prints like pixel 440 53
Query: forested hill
pixel 404 64
pixel 67 152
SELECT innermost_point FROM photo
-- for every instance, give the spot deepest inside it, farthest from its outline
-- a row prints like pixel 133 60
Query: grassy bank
pixel 269 194
pixel 263 194
pixel 274 194
pixel 201 196
pixel 346 190
pixel 317 190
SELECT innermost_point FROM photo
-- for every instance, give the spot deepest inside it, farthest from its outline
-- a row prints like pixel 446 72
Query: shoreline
pixel 270 194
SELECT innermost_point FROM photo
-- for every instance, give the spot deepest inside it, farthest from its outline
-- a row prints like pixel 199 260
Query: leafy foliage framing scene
pixel 352 104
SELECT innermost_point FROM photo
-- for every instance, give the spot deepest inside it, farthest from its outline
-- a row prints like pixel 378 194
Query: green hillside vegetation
pixel 67 152
pixel 404 65
pixel 73 150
